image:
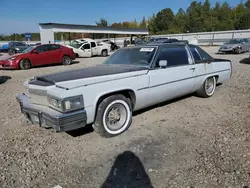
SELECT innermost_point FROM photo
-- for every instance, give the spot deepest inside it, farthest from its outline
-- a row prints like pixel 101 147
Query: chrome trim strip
pixel 181 80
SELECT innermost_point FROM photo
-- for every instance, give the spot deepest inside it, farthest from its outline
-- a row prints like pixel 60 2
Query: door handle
pixel 192 68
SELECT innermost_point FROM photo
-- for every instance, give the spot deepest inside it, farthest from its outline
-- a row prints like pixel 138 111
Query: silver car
pixel 235 46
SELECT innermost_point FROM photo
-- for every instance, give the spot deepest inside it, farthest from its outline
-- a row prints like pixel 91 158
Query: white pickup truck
pixel 88 47
pixel 131 79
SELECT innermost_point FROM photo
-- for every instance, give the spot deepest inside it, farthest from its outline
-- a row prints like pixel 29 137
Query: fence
pixel 204 38
pixel 211 38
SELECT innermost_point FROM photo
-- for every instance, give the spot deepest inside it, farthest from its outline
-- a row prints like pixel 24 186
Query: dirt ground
pixel 189 142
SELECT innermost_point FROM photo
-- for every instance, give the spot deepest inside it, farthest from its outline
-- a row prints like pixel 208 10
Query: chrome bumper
pixel 226 50
pixel 45 116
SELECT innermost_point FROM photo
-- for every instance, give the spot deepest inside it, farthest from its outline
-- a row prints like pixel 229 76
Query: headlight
pixel 17 49
pixel 11 59
pixel 67 104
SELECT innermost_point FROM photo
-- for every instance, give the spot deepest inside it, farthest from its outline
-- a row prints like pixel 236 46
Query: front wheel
pixel 208 88
pixel 66 60
pixel 114 116
pixel 25 64
pixel 238 51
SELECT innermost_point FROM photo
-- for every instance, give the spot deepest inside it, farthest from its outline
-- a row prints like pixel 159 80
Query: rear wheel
pixel 104 53
pixel 25 64
pixel 208 88
pixel 66 60
pixel 114 116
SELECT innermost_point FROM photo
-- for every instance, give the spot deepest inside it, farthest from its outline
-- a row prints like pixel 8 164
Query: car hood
pixel 89 76
pixel 230 45
pixel 16 56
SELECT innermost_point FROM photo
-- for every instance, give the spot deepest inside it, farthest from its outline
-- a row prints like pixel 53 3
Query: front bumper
pixel 47 117
pixel 226 50
pixel 4 64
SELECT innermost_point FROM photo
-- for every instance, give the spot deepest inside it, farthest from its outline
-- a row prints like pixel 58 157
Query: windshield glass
pixel 132 56
pixel 29 49
pixel 75 44
pixel 234 41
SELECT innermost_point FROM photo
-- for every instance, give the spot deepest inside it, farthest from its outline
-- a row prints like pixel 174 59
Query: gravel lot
pixel 189 142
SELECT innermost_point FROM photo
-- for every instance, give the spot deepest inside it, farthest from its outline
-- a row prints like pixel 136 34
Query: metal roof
pixel 61 27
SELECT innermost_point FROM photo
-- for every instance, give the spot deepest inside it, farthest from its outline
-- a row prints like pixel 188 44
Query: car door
pixel 54 53
pixel 39 56
pixel 245 45
pixel 86 50
pixel 174 80
pixel 203 65
pixel 94 48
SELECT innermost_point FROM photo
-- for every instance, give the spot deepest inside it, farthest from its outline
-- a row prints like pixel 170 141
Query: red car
pixel 46 54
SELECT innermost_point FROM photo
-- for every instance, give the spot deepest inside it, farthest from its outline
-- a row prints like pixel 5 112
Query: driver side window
pixel 41 49
pixel 85 47
pixel 175 56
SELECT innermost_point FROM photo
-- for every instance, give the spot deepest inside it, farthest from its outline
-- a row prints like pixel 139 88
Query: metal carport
pixel 47 30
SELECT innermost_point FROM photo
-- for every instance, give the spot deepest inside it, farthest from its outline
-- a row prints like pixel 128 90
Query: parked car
pixel 16 47
pixel 235 46
pixel 39 55
pixel 167 40
pixel 88 47
pixel 131 79
pixel 114 46
pixel 5 48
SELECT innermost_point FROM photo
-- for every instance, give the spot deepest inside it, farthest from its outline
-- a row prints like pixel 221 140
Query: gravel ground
pixel 189 142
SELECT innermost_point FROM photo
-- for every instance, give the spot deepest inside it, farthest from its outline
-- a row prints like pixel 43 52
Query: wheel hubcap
pixel 26 64
pixel 67 60
pixel 116 117
pixel 209 86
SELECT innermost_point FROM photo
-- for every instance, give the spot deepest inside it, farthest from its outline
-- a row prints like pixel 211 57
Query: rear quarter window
pixel 200 54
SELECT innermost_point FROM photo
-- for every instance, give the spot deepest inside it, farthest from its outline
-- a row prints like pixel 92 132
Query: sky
pixel 20 16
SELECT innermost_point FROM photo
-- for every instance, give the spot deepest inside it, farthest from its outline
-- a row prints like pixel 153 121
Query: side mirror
pixel 163 63
pixel 34 52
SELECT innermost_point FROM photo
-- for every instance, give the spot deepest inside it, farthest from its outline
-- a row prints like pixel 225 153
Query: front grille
pixel 38 96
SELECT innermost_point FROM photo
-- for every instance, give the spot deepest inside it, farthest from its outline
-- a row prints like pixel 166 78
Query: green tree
pixel 116 25
pixel 102 22
pixel 151 25
pixel 134 24
pixel 239 14
pixel 143 23
pixel 247 4
pixel 178 25
pixel 195 22
pixel 207 16
pixel 164 19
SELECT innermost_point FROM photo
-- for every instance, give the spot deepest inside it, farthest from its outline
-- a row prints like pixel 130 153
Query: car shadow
pixel 127 171
pixel 82 131
pixel 245 61
pixel 55 65
pixel 4 79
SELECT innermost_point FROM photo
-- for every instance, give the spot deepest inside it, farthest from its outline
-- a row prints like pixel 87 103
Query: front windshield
pixel 29 49
pixel 75 44
pixel 234 41
pixel 132 56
